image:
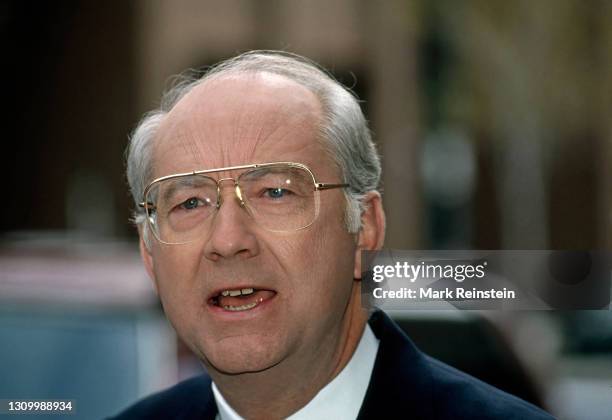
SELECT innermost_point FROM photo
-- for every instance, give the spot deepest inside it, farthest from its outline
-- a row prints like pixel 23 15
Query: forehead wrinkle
pixel 255 122
pixel 283 126
pixel 191 142
pixel 192 147
pixel 266 130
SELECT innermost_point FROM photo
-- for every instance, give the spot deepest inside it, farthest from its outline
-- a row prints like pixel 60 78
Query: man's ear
pixel 372 233
pixel 147 260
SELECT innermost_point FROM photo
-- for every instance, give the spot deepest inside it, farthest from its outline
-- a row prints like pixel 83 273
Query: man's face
pixel 303 279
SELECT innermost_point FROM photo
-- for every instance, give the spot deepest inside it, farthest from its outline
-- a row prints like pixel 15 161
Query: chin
pixel 237 355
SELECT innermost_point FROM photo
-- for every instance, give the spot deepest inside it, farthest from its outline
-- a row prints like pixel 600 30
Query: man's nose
pixel 231 233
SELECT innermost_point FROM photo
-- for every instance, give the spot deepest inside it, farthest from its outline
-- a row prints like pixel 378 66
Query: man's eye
pixel 193 203
pixel 276 192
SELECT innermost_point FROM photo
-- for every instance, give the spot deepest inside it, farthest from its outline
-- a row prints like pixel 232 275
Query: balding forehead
pixel 238 113
pixel 218 93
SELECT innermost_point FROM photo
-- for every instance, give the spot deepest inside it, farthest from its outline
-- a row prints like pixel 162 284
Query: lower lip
pixel 219 312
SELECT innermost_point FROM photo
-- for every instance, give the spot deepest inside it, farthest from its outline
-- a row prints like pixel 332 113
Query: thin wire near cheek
pixel 239 195
pixel 317 206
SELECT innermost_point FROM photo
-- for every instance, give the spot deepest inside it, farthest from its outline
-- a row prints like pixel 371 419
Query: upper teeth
pixel 237 292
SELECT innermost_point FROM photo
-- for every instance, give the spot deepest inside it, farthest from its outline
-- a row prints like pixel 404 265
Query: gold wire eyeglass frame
pixel 150 207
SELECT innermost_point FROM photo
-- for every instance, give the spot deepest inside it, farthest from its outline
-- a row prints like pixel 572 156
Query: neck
pixel 290 385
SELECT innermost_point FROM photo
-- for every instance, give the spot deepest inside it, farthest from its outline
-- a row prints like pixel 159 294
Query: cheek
pixel 322 267
pixel 176 271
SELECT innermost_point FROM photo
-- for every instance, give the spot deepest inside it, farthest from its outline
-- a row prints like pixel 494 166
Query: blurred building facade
pixel 493 119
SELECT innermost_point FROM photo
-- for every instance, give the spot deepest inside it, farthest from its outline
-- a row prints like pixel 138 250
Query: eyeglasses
pixel 279 196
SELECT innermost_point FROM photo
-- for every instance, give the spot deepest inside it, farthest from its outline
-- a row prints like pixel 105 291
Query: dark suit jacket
pixel 405 383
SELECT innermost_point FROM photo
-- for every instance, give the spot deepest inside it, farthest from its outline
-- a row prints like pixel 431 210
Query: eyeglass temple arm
pixel 143 205
pixel 327 186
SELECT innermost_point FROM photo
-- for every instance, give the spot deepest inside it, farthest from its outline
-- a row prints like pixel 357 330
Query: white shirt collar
pixel 341 398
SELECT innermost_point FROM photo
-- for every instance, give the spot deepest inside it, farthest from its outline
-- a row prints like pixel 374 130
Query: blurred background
pixel 494 123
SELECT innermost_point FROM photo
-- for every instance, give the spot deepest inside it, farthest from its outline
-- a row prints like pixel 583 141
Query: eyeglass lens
pixel 279 198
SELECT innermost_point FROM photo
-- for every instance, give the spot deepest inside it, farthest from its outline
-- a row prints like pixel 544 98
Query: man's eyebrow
pixel 272 170
pixel 261 172
pixel 190 181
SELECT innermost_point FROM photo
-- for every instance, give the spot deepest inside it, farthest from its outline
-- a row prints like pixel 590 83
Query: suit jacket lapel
pixel 201 402
pixel 400 382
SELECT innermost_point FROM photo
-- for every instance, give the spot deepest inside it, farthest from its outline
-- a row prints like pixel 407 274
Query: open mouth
pixel 241 299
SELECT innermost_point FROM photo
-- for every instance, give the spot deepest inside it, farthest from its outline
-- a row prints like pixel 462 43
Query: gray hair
pixel 344 129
